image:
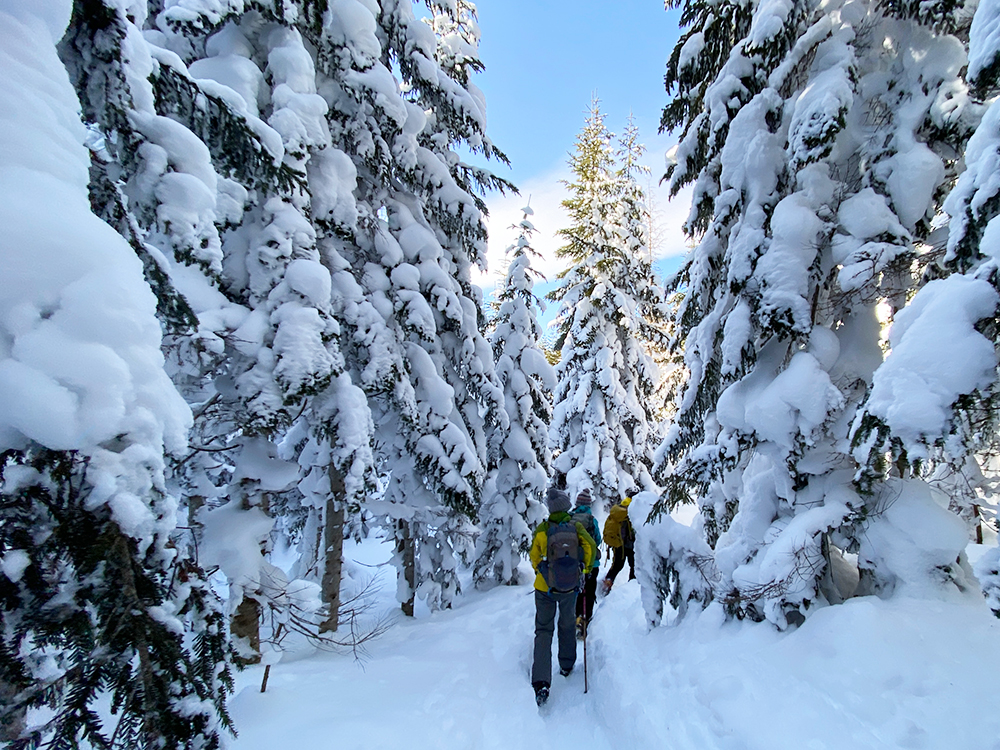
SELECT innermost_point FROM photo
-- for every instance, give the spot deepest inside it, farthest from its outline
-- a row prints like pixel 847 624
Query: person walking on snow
pixel 620 537
pixel 561 550
pixel 588 595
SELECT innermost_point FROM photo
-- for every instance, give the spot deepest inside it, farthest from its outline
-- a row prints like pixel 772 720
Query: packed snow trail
pixel 454 679
pixel 866 675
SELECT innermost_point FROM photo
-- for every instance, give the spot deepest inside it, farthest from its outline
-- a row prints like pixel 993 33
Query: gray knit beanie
pixel 584 497
pixel 557 500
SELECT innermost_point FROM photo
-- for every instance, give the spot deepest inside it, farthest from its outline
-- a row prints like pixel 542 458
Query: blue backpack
pixel 563 564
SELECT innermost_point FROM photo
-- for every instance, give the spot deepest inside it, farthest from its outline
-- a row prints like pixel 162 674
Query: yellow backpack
pixel 618 529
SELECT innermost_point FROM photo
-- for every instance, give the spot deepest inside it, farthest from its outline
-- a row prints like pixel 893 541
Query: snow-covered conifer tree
pixel 818 154
pixel 651 323
pixel 412 309
pixel 512 499
pixel 603 418
pixel 96 597
pixel 285 358
pixel 224 201
pixel 922 420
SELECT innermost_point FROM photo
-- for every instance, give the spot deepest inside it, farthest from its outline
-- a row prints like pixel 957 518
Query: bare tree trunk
pixel 246 627
pixel 333 551
pixel 120 564
pixel 404 545
pixel 195 503
pixel 13 719
pixel 246 621
pixel 267 667
pixel 314 553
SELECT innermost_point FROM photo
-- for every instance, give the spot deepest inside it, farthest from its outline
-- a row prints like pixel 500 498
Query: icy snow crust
pixel 866 675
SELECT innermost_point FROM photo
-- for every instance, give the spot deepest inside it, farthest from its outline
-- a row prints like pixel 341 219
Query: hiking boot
pixel 565 671
pixel 606 586
pixel 541 693
pixel 581 626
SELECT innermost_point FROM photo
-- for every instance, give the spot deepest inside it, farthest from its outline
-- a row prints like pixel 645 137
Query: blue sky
pixel 544 60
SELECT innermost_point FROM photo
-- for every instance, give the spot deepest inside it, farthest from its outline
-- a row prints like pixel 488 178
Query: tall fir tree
pixel 512 498
pixel 100 599
pixel 265 347
pixel 603 420
pixel 225 202
pixel 819 155
pixel 950 435
pixel 652 310
pixel 382 199
pixel 434 393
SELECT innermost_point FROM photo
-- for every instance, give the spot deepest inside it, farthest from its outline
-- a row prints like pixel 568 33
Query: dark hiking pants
pixel 546 605
pixel 618 556
pixel 588 597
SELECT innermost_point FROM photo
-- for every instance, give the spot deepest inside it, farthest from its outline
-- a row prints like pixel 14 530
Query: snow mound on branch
pixel 783 270
pixel 984 38
pixel 916 172
pixel 796 400
pixel 231 541
pixel 691 50
pixel 769 20
pixel 911 391
pixel 874 237
pixel 80 361
pixel 916 544
pixel 977 186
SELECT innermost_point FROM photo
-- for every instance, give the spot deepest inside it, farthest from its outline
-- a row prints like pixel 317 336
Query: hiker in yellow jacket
pixel 620 537
pixel 560 551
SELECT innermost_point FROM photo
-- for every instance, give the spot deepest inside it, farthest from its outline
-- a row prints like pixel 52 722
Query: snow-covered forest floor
pixel 876 674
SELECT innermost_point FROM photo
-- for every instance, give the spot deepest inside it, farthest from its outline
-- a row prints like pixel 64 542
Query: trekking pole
pixel 584 656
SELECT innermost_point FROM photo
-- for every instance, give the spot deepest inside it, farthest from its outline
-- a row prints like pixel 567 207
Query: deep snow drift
pixel 904 673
